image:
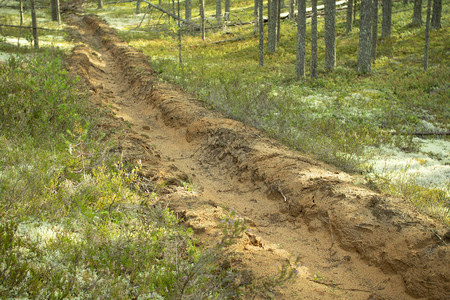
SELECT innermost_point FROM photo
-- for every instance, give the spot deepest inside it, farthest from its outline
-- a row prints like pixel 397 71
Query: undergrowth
pixel 74 222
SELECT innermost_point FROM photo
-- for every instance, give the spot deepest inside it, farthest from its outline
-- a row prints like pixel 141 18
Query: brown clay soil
pixel 351 243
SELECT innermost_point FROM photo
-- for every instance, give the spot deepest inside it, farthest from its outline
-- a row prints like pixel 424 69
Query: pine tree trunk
pixel 272 39
pixel 21 23
pixel 427 36
pixel 202 18
pixel 330 34
pixel 256 20
pixel 314 39
pixel 227 10
pixel 56 15
pixel 219 11
pixel 180 59
pixel 138 6
pixel 100 4
pixel 436 16
pixel 301 39
pixel 355 10
pixel 374 29
pixel 291 9
pixel 187 10
pixel 261 31
pixel 387 19
pixel 417 12
pixel 364 53
pixel 278 21
pixel 34 24
pixel 349 23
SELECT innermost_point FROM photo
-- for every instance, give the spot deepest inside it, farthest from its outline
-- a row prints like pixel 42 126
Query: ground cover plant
pixel 342 117
pixel 74 220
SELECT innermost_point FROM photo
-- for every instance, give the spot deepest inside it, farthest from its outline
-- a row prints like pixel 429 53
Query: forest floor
pixel 345 241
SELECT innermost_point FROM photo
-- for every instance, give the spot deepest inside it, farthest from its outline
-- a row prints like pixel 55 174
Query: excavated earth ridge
pixel 359 244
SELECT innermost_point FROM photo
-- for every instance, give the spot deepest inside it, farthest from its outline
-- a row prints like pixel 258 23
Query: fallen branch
pixel 29 27
pixel 170 14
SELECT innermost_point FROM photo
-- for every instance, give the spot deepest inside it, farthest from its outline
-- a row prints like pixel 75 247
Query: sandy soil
pixel 346 241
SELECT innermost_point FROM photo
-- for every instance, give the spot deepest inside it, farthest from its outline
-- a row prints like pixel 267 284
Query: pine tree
pixel 330 34
pixel 314 39
pixel 364 51
pixel 301 39
pixel 387 19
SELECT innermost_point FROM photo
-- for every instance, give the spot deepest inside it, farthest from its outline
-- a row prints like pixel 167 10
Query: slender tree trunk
pixel 291 9
pixel 427 36
pixel 278 22
pixel 387 19
pixel 34 25
pixel 21 23
pixel 179 34
pixel 330 34
pixel 53 7
pixel 349 16
pixel 256 15
pixel 138 6
pixel 272 40
pixel 355 10
pixel 374 29
pixel 219 11
pixel 417 12
pixel 202 18
pixel 364 53
pixel 261 32
pixel 301 39
pixel 227 9
pixel 436 16
pixel 314 39
pixel 100 4
pixel 187 10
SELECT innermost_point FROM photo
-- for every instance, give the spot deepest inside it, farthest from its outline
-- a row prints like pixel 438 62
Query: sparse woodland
pixel 362 85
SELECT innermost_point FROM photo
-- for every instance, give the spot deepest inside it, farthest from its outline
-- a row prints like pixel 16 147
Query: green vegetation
pixel 336 117
pixel 73 219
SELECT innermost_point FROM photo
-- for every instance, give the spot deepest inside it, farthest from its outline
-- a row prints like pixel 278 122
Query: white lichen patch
pixel 430 167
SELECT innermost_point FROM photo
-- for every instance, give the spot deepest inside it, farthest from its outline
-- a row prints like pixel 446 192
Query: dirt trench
pixel 351 243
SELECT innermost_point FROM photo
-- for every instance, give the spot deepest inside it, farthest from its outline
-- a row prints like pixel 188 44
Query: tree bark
pixel 330 34
pixel 227 10
pixel 355 10
pixel 374 29
pixel 427 36
pixel 278 22
pixel 301 39
pixel 187 10
pixel 417 12
pixel 272 39
pixel 387 19
pixel 219 11
pixel 54 4
pixel 138 6
pixel 261 31
pixel 349 23
pixel 436 16
pixel 256 16
pixel 21 23
pixel 202 18
pixel 314 39
pixel 34 25
pixel 180 59
pixel 100 4
pixel 364 53
pixel 291 9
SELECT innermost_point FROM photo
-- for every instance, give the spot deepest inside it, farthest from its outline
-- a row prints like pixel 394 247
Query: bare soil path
pixel 351 242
